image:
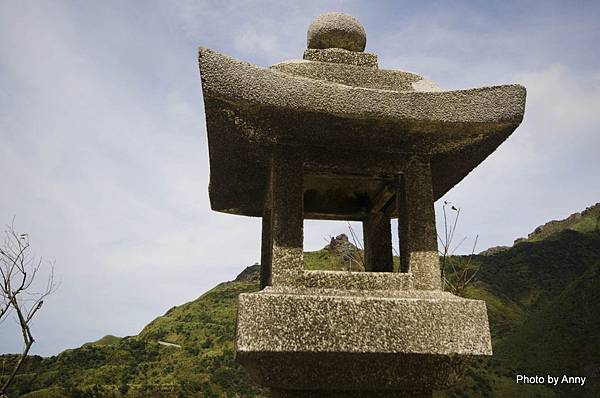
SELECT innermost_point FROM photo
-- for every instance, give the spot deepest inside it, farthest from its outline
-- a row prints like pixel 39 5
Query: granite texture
pixel 336 30
pixel 287 213
pixel 333 340
pixel 250 109
pixel 319 321
pixel 377 236
pixel 241 83
pixel 351 75
pixel 266 248
pixel 341 56
pixel 375 280
pixel 327 371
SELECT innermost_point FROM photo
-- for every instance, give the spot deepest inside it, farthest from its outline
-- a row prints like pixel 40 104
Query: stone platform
pixel 327 340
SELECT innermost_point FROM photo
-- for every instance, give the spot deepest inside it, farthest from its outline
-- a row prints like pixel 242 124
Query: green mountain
pixel 587 221
pixel 197 359
pixel 543 298
pixel 107 340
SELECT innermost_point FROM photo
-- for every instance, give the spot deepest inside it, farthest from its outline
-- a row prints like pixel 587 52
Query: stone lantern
pixel 334 137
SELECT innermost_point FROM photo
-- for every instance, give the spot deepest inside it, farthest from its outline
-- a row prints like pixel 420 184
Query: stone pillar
pixel 287 202
pixel 401 205
pixel 266 249
pixel 416 226
pixel 377 234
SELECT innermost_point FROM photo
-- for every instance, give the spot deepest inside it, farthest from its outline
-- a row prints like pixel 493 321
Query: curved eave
pixel 246 85
pixel 457 129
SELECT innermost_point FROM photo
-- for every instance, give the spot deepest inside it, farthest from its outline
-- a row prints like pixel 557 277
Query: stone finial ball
pixel 337 30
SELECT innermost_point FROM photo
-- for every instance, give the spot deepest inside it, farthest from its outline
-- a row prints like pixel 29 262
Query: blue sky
pixel 104 155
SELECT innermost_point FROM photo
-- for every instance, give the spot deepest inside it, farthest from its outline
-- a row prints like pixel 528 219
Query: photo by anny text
pixel 551 380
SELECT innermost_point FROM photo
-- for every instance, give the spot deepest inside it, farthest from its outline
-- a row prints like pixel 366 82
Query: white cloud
pixel 562 100
pixel 251 41
pixel 547 170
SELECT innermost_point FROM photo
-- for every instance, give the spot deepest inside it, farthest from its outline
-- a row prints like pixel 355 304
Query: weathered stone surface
pixel 347 252
pixel 416 226
pixel 403 333
pixel 436 323
pixel 378 373
pixel 236 81
pixel 251 109
pixel 336 30
pixel 266 249
pixel 288 223
pixel 352 75
pixel 377 235
pixel 354 280
pixel 341 56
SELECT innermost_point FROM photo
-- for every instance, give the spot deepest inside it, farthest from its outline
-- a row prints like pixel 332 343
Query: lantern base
pixel 352 341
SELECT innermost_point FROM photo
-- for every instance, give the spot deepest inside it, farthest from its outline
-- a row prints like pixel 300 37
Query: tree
pixel 19 290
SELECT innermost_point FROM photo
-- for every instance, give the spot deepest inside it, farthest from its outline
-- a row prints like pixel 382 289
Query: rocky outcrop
pixel 494 250
pixel 566 223
pixel 249 274
pixel 342 247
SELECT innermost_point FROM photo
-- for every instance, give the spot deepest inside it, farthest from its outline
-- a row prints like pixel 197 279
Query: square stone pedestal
pixel 332 343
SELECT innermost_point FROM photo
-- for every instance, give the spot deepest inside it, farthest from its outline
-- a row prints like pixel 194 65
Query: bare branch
pixel 460 271
pixel 359 257
pixel 18 270
pixel 4 309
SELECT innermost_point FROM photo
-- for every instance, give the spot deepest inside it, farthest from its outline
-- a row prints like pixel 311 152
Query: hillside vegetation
pixel 542 294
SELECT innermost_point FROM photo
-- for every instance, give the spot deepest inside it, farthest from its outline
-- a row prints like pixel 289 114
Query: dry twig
pixel 18 271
